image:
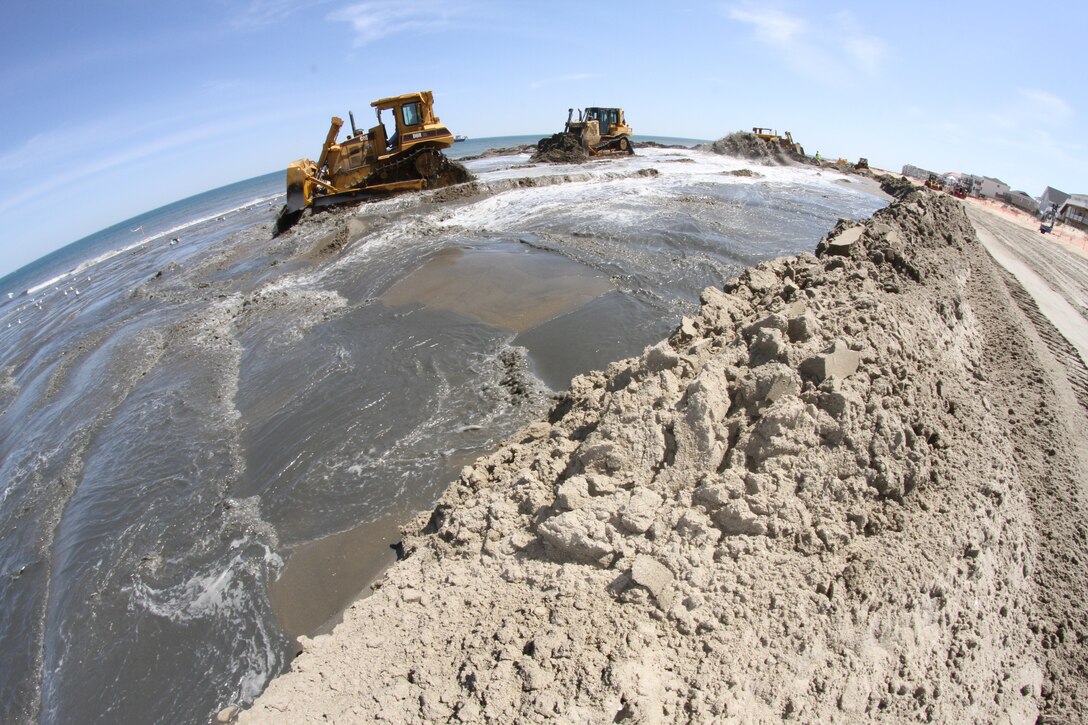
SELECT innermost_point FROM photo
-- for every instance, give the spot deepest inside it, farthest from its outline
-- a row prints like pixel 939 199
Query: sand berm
pixel 849 489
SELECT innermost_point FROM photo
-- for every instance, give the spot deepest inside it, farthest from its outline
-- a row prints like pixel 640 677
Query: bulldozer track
pixel 618 145
pixel 405 169
pixel 1064 352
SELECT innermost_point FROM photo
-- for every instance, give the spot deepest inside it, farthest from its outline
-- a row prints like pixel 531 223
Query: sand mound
pixel 746 145
pixel 805 504
pixel 897 186
pixel 453 172
pixel 561 148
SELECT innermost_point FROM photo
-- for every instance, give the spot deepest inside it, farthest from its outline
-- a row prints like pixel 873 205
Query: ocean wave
pixel 83 266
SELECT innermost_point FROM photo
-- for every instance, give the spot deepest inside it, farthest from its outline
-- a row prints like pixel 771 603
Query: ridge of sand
pixel 849 489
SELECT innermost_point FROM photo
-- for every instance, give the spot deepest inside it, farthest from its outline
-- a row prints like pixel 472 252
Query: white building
pixel 1075 211
pixel 1051 197
pixel 1021 200
pixel 916 172
pixel 989 187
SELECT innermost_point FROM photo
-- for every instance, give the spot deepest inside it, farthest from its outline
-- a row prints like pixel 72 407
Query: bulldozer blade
pixel 320 202
pixel 369 192
pixel 296 198
pixel 285 220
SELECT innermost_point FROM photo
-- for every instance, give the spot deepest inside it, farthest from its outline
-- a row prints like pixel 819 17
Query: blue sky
pixel 115 107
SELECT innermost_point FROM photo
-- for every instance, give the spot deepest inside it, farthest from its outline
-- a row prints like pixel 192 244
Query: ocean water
pixel 474 146
pixel 187 407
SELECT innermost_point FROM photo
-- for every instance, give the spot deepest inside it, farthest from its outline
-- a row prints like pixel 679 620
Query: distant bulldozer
pixel 785 140
pixel 597 132
pixel 371 164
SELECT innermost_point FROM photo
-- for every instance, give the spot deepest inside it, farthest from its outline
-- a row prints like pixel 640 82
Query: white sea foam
pixel 222 595
pixel 147 240
pixel 604 196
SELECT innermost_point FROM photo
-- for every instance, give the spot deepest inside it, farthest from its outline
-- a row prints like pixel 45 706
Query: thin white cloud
pixel 93 166
pixel 376 19
pixel 261 13
pixel 1028 110
pixel 865 50
pixel 836 50
pixel 570 77
pixel 1046 106
pixel 771 26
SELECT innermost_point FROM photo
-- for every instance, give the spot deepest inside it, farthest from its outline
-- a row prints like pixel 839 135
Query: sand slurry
pixel 850 488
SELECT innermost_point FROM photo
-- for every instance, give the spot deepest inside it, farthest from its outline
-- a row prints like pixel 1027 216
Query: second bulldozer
pixel 598 131
pixel 601 130
pixel 371 163
pixel 785 140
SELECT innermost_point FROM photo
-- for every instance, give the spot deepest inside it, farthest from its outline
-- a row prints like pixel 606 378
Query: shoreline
pixel 582 570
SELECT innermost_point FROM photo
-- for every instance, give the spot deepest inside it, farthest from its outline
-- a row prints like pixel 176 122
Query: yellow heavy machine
pixel 600 130
pixel 785 140
pixel 371 163
pixel 934 183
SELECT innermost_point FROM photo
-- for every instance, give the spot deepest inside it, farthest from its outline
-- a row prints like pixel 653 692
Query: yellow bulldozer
pixel 785 140
pixel 371 163
pixel 601 130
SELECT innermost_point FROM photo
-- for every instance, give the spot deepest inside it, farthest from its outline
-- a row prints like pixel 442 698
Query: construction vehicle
pixel 1046 225
pixel 600 130
pixel 934 183
pixel 370 164
pixel 863 163
pixel 785 140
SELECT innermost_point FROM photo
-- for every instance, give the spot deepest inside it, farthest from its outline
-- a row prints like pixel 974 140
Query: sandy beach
pixel 850 488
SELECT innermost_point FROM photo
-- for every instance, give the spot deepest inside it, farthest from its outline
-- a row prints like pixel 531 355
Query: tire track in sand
pixel 1064 352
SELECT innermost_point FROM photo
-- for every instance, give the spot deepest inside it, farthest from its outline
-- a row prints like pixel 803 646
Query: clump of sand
pixel 563 148
pixel 745 145
pixel 805 504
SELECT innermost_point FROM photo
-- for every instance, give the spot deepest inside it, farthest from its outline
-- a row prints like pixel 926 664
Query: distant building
pixel 989 187
pixel 916 172
pixel 1075 211
pixel 960 179
pixel 1021 200
pixel 970 182
pixel 1051 197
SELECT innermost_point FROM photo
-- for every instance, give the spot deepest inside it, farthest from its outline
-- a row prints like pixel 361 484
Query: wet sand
pixel 867 185
pixel 323 577
pixel 510 289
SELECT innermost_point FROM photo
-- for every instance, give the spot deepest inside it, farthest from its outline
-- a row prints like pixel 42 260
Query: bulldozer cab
pixel 413 122
pixel 606 118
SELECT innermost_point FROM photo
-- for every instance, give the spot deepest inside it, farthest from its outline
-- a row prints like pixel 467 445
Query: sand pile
pixel 808 503
pixel 451 172
pixel 561 148
pixel 749 146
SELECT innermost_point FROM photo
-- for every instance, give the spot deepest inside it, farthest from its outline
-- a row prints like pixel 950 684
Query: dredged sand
pixel 850 489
